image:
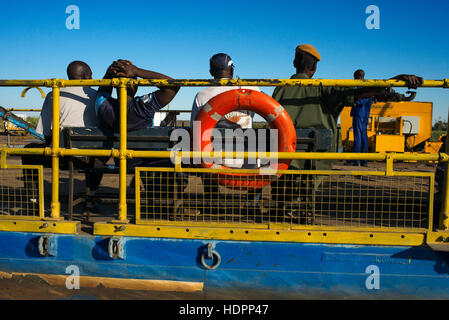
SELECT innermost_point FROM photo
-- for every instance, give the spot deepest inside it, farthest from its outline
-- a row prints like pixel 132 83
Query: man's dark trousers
pixel 359 126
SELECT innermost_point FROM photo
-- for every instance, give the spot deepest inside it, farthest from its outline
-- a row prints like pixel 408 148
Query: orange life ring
pixel 265 106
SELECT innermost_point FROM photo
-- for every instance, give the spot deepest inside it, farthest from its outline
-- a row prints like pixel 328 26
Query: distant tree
pixel 33 121
pixel 440 125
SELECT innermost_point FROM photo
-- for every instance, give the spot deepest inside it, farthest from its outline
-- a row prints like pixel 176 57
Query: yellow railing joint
pixel 3 156
pixel 389 171
pixel 178 162
pixel 446 83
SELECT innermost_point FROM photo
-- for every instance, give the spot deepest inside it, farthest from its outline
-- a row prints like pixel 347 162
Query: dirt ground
pixel 35 288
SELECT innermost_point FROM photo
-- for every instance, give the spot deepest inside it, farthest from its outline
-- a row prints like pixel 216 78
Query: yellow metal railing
pixel 224 82
pixel 123 153
pixel 23 110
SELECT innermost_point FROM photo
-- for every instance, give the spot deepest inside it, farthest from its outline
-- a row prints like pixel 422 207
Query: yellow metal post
pixel 41 192
pixel 444 214
pixel 122 210
pixel 3 156
pixel 55 204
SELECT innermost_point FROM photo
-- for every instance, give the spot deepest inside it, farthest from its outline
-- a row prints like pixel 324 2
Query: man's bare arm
pixel 110 73
pixel 412 82
pixel 128 70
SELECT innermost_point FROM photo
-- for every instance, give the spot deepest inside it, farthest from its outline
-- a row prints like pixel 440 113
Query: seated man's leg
pixel 211 187
pixel 93 181
pixel 253 194
pixel 284 188
pixel 160 187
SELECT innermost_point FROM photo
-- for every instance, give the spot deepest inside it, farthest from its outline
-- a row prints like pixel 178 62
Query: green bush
pixel 33 121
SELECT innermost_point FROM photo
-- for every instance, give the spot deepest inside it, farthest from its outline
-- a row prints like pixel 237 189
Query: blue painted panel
pixel 271 269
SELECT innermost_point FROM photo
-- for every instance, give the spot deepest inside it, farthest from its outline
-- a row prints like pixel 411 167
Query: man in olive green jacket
pixel 319 107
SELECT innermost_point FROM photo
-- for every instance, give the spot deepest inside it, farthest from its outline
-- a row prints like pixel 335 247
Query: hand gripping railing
pixel 123 153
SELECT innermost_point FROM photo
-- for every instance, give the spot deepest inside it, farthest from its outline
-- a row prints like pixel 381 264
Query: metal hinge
pixel 116 248
pixel 47 246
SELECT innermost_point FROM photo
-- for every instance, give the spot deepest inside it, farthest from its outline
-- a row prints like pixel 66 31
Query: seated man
pixel 76 109
pixel 140 110
pixel 76 104
pixel 222 67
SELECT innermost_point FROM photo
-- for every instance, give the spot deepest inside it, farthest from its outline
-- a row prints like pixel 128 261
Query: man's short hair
pixel 305 61
pixel 358 73
pixel 76 69
pixel 220 62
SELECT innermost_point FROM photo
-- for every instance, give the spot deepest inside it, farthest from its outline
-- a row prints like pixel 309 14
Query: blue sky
pixel 177 38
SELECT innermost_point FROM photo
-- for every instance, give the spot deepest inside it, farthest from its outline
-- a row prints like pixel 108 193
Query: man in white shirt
pixel 222 67
pixel 76 109
pixel 76 104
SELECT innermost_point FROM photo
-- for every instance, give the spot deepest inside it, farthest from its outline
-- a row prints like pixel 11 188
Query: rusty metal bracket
pixel 116 248
pixel 47 246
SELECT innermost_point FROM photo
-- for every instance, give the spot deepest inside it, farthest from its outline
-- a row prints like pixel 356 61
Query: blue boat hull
pixel 251 270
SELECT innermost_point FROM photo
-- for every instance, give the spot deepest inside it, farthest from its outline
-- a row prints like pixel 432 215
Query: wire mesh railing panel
pixel 21 192
pixel 372 201
pixel 331 200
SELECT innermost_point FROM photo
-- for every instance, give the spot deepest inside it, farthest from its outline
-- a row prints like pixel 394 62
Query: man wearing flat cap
pixel 319 107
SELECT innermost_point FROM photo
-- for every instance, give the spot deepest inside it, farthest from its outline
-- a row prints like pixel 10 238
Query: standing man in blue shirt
pixel 360 115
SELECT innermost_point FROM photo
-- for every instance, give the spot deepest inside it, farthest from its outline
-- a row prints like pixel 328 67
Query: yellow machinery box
pixel 389 143
pixel 397 132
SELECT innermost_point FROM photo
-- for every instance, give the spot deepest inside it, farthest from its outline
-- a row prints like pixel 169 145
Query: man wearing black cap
pixel 320 107
pixel 222 67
